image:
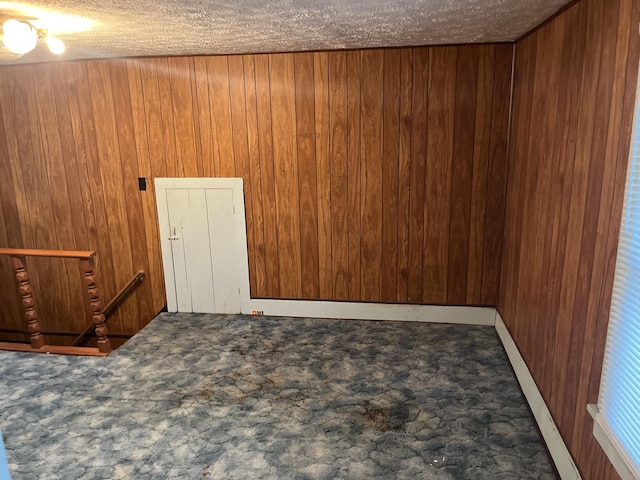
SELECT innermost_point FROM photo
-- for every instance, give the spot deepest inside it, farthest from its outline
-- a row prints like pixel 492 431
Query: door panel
pixel 223 243
pixel 198 254
pixel 178 209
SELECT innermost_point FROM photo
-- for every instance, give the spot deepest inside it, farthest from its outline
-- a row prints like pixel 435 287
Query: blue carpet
pixel 235 397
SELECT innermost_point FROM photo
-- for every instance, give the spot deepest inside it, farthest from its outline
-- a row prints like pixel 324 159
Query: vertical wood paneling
pixel 404 173
pixel 339 169
pixel 480 174
pixel 354 81
pixel 534 194
pixel 307 178
pixel 145 169
pixel 90 176
pixel 599 173
pixel 114 193
pixel 130 173
pixel 265 145
pixel 285 167
pixel 575 84
pixel 13 200
pixel 242 162
pixel 420 97
pixel 567 93
pixel 323 169
pixel 348 161
pixel 220 104
pixel 182 106
pixel 390 174
pixel 259 272
pixel 75 167
pixel 33 179
pixel 462 174
pixel 496 183
pixel 371 170
pixel 440 125
pixel 10 232
pixel 169 154
pixel 153 116
pixel 60 200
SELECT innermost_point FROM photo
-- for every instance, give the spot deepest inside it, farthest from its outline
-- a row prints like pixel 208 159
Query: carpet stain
pixel 385 419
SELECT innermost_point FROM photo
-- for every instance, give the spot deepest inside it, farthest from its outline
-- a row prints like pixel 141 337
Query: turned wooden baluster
pixel 104 344
pixel 24 289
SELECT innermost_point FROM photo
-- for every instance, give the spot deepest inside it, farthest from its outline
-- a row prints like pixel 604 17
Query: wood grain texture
pixel 440 125
pixel 265 146
pixel 308 177
pixel 258 270
pixel 339 175
pixel 479 186
pixel 371 174
pixel 497 177
pixel 353 187
pixel 418 158
pixel 390 174
pixel 354 82
pixel 404 173
pixel 462 174
pixel 238 105
pixel 323 170
pixel 575 81
pixel 285 166
pixel 10 234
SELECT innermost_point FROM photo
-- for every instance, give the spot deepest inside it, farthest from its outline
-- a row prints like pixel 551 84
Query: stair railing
pixel 37 341
pixel 137 279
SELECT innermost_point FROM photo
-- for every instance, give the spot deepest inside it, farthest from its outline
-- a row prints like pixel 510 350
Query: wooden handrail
pixel 124 291
pixel 27 252
pixel 111 306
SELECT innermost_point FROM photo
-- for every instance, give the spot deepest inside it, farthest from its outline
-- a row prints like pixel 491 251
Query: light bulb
pixel 55 44
pixel 19 37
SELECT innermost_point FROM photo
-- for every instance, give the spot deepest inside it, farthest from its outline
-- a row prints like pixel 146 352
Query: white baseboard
pixel 372 311
pixel 557 448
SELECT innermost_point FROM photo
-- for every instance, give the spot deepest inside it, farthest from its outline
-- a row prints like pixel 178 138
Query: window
pixel 617 415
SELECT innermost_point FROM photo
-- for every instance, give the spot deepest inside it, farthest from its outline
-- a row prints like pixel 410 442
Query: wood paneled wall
pixel 575 83
pixel 372 175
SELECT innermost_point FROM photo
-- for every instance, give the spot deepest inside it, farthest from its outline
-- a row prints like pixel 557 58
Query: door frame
pixel 234 184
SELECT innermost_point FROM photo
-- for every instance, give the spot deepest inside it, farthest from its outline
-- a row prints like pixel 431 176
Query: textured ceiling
pixel 123 28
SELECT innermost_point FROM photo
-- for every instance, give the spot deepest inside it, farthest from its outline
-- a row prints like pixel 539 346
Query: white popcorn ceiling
pixel 126 28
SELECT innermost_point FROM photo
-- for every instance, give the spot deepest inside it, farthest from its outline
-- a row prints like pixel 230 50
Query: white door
pixel 204 246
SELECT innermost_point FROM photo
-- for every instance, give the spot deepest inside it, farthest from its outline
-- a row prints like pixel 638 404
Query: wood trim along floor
pixel 371 311
pixel 57 349
pixel 551 435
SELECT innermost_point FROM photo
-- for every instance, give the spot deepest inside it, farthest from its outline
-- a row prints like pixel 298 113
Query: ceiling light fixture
pixel 55 44
pixel 20 37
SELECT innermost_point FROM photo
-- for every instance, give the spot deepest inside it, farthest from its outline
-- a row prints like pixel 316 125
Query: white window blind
pixel 617 415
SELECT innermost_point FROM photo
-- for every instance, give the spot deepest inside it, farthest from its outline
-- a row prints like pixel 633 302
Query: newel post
pixel 28 303
pixel 104 344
